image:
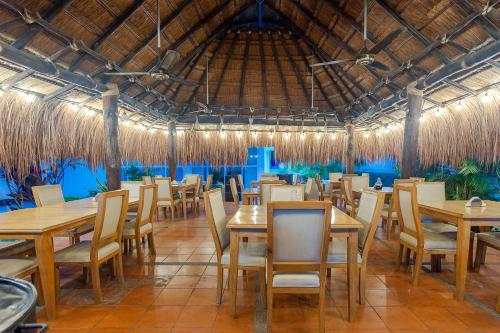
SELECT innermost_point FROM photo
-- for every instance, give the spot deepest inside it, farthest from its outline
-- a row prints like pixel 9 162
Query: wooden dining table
pixel 182 189
pixel 455 212
pixel 249 196
pixel 251 220
pixel 41 225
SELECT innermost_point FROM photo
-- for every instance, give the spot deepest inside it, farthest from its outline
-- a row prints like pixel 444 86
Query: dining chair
pixel 389 212
pixel 132 186
pixel 295 180
pixel 269 178
pixel 252 255
pixel 191 178
pixel 335 191
pixel 105 243
pixel 265 190
pixel 147 180
pixel 350 201
pixel 418 179
pixel 413 236
pixel 21 267
pixel 234 192
pixel 298 234
pixel 368 214
pixel 319 186
pixel 432 192
pixel 141 225
pixel 208 184
pixel 240 182
pixel 166 198
pixel 485 240
pixel 360 182
pixel 309 189
pixel 192 196
pixel 287 193
pixel 47 195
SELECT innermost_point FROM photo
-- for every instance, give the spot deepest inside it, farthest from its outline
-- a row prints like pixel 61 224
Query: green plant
pixel 100 188
pixel 135 174
pixel 71 198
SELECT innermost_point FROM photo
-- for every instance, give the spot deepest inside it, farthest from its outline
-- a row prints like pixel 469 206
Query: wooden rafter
pixel 280 70
pixel 294 67
pixel 244 67
pixel 263 70
pixel 224 68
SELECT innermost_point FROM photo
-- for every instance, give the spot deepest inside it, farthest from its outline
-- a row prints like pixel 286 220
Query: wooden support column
pixel 113 155
pixel 349 148
pixel 172 151
pixel 409 164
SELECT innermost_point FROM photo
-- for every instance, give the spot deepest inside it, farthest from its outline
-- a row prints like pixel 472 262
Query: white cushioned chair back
pixel 208 184
pixel 132 187
pixel 234 190
pixel 219 217
pixel 406 206
pixel 148 203
pixel 164 188
pixel 147 180
pixel 191 179
pixel 48 195
pixel 295 179
pixel 287 193
pixel 297 235
pixel 240 182
pixel 335 175
pixel 314 194
pixel 265 192
pixel 309 185
pixel 430 192
pixel 111 216
pixel 360 182
pixel 348 194
pixel 366 210
pixel 269 178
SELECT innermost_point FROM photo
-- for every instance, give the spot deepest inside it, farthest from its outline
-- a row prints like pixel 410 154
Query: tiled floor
pixel 175 292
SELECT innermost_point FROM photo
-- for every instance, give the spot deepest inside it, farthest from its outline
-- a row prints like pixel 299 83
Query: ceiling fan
pixel 313 111
pixel 366 57
pixel 160 70
pixel 204 108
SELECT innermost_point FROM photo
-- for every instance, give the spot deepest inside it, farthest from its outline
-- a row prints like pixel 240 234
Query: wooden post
pixel 349 148
pixel 172 151
pixel 111 138
pixel 409 164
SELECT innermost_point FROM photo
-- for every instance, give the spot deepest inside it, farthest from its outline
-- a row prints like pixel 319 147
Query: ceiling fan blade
pixel 127 73
pixel 385 42
pixel 201 105
pixel 378 65
pixel 184 82
pixel 170 59
pixel 334 62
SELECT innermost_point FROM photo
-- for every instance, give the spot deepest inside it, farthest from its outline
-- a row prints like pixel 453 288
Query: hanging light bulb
pixel 239 134
pixel 485 98
pixel 302 135
pixel 271 135
pixel 366 135
pixel 287 135
pixel 422 118
pixel 255 134
pixel 179 132
pixel 318 135
pixel 334 136
pixel 222 134
pixel 206 134
pixel 459 106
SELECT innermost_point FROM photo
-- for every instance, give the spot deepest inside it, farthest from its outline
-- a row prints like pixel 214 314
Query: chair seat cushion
pixel 80 252
pixel 491 238
pixel 385 213
pixel 15 247
pixel 129 228
pixel 433 240
pixel 191 199
pixel 12 266
pixel 250 254
pixel 167 203
pixel 440 227
pixel 296 280
pixel 337 252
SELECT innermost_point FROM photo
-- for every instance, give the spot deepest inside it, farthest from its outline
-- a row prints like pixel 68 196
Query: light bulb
pixel 485 98
pixel 318 136
pixel 302 135
pixel 222 134
pixel 366 135
pixel 460 106
pixel 271 135
pixel 180 132
pixel 421 119
pixel 254 134
pixel 206 134
pixel 334 136
pixel 73 107
pixel 239 134
pixel 287 135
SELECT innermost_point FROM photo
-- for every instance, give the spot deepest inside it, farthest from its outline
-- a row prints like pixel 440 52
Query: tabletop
pixel 255 217
pixel 386 190
pixel 457 208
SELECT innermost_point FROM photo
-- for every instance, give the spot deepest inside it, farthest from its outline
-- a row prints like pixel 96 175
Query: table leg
pixel 45 256
pixel 244 199
pixel 233 268
pixel 353 276
pixel 463 243
pixel 184 203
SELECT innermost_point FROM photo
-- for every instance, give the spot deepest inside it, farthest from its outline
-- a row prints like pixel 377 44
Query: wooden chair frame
pixel 98 243
pixel 299 187
pixel 418 234
pixel 208 183
pixel 392 208
pixel 147 180
pixel 268 182
pixel 234 192
pixel 298 266
pixel 370 237
pixel 320 188
pixel 139 223
pixel 191 196
pixel 219 250
pixel 348 195
pixel 172 205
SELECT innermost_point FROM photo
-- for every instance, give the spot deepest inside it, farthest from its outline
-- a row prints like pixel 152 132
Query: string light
pixel 459 106
pixel 222 134
pixel 239 134
pixel 287 135
pixel 334 136
pixel 421 119
pixel 366 135
pixel 73 107
pixel 206 134
pixel 271 135
pixel 318 136
pixel 485 98
pixel 255 134
pixel 302 135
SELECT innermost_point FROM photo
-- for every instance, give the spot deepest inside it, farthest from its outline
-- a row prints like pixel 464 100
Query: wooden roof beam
pixel 263 74
pixel 61 91
pixel 280 70
pixel 482 20
pixel 110 30
pixel 224 68
pixel 244 67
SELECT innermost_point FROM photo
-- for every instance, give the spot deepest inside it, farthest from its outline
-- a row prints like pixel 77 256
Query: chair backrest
pixel 295 179
pixel 350 175
pixel 319 187
pixel 197 188
pixel 241 184
pixel 370 208
pixel 394 199
pixel 298 234
pixel 418 179
pixel 191 178
pixel 165 192
pixel 407 208
pixel 217 219
pixel 309 188
pixel 268 174
pixel 148 197
pixel 111 213
pixel 234 191
pixel 346 189
pixel 208 184
pixel 267 178
pixel 146 180
pixel 265 190
pixel 287 193
pixel 335 175
pixel 360 182
pixel 430 191
pixel 365 174
pixel 47 195
pixel 132 187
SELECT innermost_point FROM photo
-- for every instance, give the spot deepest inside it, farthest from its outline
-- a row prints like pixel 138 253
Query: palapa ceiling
pixel 258 52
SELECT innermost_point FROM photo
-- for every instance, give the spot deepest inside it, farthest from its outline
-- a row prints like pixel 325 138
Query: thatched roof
pixel 258 54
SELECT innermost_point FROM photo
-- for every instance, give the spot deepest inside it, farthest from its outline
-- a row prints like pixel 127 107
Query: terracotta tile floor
pixel 175 292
